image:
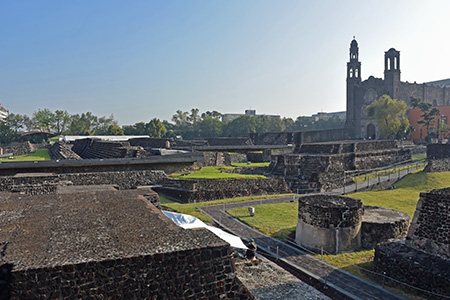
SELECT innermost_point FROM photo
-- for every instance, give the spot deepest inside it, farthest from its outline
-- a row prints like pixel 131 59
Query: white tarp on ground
pixel 188 222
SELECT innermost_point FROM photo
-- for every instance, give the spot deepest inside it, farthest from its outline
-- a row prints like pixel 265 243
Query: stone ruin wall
pixel 413 266
pixel 438 156
pixel 193 274
pixel 374 231
pixel 430 227
pixel 220 159
pixel 423 260
pixel 188 190
pixel 329 222
pixel 320 167
pixel 20 148
pixel 47 184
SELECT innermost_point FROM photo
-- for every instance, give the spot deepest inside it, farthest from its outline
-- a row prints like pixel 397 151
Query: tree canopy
pixel 390 116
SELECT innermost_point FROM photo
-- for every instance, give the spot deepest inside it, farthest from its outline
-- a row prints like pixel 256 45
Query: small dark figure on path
pixel 251 251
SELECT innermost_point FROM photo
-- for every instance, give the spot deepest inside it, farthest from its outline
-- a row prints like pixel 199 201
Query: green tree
pixel 61 120
pixel 7 135
pixel 390 116
pixel 83 124
pixel 155 128
pixel 210 127
pixel 115 130
pixel 17 122
pixel 429 114
pixel 43 119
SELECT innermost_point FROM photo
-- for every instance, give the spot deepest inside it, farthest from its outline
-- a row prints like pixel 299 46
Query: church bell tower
pixel 353 81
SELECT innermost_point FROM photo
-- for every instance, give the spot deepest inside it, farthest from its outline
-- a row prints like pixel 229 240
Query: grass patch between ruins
pixel 191 208
pixel 213 173
pixel 39 154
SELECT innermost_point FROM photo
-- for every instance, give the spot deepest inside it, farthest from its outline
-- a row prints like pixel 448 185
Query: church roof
pixel 443 82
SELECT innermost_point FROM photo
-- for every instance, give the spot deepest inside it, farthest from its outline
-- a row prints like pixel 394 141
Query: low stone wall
pixel 438 151
pixel 413 266
pixel 380 225
pixel 124 180
pixel 376 159
pixel 19 148
pixel 30 185
pixel 430 230
pixel 437 165
pixel 195 274
pixel 229 141
pixel 190 190
pixel 38 184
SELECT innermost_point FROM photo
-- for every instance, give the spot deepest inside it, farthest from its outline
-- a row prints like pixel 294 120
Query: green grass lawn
pixel 191 208
pixel 419 156
pixel 365 177
pixel 213 173
pixel 39 154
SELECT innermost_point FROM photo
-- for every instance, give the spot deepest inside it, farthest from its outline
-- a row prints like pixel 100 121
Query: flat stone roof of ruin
pixel 61 229
pixel 382 215
pixel 443 192
pixel 330 201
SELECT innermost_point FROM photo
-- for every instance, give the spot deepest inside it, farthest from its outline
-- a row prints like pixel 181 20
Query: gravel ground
pixel 268 281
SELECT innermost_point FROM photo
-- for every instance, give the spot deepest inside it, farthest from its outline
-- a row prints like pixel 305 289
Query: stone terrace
pixel 110 244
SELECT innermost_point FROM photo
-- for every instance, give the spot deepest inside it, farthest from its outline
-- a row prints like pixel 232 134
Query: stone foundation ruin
pixel 190 190
pixel 341 224
pixel 322 166
pixel 423 260
pixel 107 245
pixel 438 156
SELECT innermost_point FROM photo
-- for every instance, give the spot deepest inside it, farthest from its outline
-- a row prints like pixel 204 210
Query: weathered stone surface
pixel 413 266
pixel 329 222
pixel 108 245
pixel 190 190
pixel 20 148
pixel 381 224
pixel 430 227
pixel 321 167
pixel 46 183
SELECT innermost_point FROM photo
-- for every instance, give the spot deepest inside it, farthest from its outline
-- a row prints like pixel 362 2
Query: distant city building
pixel 248 112
pixel 4 113
pixel 324 115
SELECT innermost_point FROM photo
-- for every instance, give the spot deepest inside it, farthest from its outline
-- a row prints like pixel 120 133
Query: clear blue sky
pixel 144 59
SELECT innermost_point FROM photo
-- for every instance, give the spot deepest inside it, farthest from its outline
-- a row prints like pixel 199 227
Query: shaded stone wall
pixel 19 148
pixel 437 165
pixel 61 150
pixel 381 224
pixel 194 274
pixel 47 184
pixel 229 141
pixel 125 179
pixel 148 143
pixel 299 137
pixel 30 185
pixel 321 167
pixel 414 267
pixel 430 228
pixel 438 151
pixel 190 190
